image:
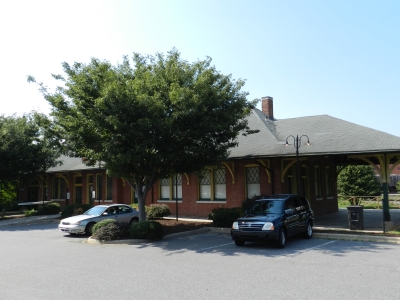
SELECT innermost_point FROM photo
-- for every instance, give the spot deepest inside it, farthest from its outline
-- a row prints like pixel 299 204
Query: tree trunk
pixel 141 194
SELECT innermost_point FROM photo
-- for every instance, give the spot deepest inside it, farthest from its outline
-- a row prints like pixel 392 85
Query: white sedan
pixel 83 224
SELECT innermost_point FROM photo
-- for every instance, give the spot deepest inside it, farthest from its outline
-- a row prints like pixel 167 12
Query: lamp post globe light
pixel 297 145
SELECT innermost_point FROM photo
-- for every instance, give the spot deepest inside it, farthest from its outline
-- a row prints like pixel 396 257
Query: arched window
pixel 252 181
pixel 212 184
pixel 171 188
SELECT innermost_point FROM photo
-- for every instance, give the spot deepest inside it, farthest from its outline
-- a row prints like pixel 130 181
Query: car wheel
pixel 239 243
pixel 309 231
pixel 281 238
pixel 134 220
pixel 89 228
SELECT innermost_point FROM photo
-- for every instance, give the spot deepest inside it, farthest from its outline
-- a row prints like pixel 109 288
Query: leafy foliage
pixel 398 185
pixel 150 230
pixel 7 194
pixel 358 181
pixel 109 231
pixel 49 209
pixel 224 217
pixel 157 211
pixel 73 209
pixel 30 212
pixel 100 224
pixel 28 146
pixel 180 115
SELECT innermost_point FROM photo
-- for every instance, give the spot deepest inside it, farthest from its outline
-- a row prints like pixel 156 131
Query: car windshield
pixel 267 207
pixel 95 211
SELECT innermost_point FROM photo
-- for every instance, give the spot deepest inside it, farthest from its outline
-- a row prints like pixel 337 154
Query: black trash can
pixel 355 216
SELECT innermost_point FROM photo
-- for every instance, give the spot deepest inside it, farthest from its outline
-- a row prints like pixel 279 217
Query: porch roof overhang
pixel 328 136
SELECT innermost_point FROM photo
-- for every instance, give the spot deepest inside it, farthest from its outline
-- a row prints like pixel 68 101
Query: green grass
pixel 394 203
pixel 395 231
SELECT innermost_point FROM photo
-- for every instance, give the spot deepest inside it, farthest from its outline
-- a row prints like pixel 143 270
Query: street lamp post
pixel 99 183
pixel 297 145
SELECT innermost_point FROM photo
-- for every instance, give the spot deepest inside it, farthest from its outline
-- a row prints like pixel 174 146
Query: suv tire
pixel 281 242
pixel 309 231
pixel 239 243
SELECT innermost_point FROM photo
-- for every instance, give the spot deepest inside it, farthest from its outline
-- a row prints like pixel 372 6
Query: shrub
pixel 135 206
pixel 157 211
pixel 68 210
pixel 78 211
pixel 49 209
pixel 100 224
pixel 150 230
pixel 109 231
pixel 30 212
pixel 224 217
pixel 12 206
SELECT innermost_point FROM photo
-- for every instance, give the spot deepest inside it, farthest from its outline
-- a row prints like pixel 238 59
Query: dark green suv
pixel 274 217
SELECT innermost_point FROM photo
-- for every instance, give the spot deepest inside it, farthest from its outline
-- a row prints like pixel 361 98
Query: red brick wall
pixel 235 192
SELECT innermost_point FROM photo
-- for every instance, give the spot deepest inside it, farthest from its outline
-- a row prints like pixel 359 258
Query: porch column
pixel 385 179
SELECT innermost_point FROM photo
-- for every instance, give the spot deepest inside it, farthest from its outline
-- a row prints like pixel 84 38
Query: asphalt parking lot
pixel 39 262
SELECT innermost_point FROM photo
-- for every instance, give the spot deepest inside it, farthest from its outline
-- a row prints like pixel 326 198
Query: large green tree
pixel 28 146
pixel 155 118
pixel 358 181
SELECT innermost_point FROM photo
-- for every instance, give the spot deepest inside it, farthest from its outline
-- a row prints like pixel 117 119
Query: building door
pixel 33 192
pixel 78 194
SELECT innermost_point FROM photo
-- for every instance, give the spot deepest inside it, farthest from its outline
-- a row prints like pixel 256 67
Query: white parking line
pixel 215 246
pixel 305 250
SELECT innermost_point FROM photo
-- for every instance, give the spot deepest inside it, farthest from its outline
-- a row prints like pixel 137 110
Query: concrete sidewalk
pixel 22 220
pixel 373 220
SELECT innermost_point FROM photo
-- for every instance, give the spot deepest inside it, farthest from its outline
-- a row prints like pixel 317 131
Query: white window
pixel 212 184
pixel 171 188
pixel 253 181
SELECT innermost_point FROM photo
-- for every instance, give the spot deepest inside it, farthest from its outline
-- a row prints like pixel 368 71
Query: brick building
pixel 262 163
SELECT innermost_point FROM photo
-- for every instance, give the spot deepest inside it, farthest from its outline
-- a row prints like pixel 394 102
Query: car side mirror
pixel 289 211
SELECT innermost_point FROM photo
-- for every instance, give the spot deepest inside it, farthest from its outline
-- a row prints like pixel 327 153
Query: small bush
pixel 110 231
pixel 78 211
pixel 11 206
pixel 135 206
pixel 157 211
pixel 30 212
pixel 101 224
pixel 123 229
pixel 149 230
pixel 224 217
pixel 49 209
pixel 68 210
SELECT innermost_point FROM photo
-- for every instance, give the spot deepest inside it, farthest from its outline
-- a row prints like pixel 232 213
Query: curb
pixel 359 238
pixel 329 236
pixel 91 240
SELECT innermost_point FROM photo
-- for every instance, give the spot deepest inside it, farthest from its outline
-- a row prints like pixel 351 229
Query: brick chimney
pixel 268 107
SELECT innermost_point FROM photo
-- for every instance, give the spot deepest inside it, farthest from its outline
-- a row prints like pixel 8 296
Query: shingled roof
pixel 327 135
pixel 70 164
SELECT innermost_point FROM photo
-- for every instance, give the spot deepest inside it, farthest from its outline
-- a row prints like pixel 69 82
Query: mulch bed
pixel 172 226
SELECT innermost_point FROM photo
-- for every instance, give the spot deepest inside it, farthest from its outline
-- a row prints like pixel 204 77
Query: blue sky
pixel 340 58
